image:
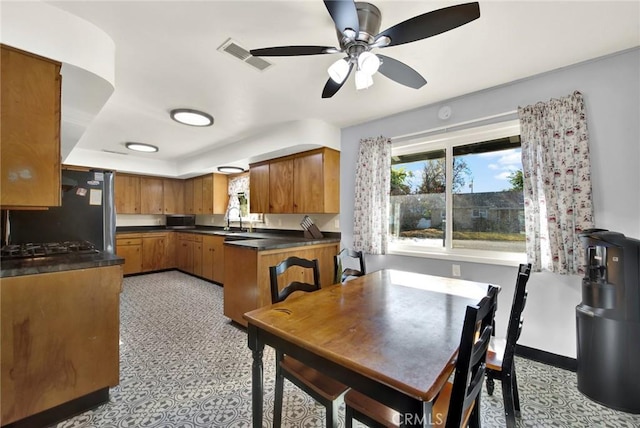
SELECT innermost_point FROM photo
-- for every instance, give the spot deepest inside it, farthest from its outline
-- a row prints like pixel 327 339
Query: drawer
pixel 128 241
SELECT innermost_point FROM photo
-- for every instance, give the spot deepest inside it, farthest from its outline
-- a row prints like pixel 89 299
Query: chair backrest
pixel 515 318
pixel 470 365
pixel 274 271
pixel 341 274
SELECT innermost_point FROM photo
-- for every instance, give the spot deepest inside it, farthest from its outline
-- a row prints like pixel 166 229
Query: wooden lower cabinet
pixel 129 247
pixel 246 274
pixel 213 258
pixel 189 253
pixel 157 251
pixel 60 338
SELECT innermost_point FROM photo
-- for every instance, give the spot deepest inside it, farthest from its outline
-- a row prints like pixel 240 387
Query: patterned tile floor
pixel 184 365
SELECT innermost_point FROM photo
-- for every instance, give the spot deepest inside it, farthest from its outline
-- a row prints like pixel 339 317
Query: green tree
pixel 516 179
pixel 399 177
pixel 433 176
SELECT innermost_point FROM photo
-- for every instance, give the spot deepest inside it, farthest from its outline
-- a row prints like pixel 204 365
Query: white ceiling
pixel 167 57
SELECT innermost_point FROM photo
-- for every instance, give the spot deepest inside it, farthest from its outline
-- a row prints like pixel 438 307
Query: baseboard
pixel 64 411
pixel 548 358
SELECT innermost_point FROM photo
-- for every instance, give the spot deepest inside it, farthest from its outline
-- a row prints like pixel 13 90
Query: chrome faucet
pixel 229 218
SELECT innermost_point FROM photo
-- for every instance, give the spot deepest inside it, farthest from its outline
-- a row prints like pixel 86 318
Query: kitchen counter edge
pixel 21 267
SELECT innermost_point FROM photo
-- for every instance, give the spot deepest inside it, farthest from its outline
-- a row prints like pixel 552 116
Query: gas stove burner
pixel 47 249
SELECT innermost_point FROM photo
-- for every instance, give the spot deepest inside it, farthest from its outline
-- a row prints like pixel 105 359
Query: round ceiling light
pixel 191 117
pixel 230 169
pixel 141 147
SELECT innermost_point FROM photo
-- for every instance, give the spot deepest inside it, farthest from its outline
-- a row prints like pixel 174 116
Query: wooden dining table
pixel 390 334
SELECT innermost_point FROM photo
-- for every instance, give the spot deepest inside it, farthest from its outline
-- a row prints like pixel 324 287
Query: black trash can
pixel 608 321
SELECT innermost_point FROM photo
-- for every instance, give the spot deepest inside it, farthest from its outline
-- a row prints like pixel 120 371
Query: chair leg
pixel 277 402
pixel 348 417
pixel 332 414
pixel 516 395
pixel 490 383
pixel 507 397
pixel 474 418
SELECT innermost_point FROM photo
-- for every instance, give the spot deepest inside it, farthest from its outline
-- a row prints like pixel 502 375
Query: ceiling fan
pixel 357 25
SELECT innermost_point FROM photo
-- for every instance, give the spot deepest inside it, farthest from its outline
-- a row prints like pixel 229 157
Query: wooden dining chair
pixel 320 387
pixel 500 357
pixel 341 274
pixel 458 403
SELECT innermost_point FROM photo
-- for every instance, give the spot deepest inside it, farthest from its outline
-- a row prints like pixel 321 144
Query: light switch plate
pixel 455 270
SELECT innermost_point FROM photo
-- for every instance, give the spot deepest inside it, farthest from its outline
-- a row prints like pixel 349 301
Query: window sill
pixel 484 257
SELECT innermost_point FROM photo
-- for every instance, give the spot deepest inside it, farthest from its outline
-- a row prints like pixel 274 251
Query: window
pixel 459 194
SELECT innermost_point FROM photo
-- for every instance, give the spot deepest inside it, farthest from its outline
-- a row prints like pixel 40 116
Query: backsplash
pixel 325 222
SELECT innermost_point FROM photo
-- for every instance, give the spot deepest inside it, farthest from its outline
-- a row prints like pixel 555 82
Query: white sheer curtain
pixel 371 196
pixel 557 183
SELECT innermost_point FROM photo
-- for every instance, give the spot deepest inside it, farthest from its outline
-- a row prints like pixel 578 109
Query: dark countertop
pixel 59 263
pixel 258 240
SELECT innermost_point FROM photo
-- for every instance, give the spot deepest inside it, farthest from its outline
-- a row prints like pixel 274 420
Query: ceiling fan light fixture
pixel 363 80
pixel 368 63
pixel 141 147
pixel 339 70
pixel 191 117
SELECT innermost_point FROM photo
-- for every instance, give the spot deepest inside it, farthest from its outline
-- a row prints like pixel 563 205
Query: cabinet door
pixel 196 266
pixel 183 254
pixel 132 258
pixel 188 196
pixel 154 253
pixel 151 195
pixel 127 194
pixel 281 187
pixel 259 188
pixel 218 259
pixel 30 130
pixel 308 186
pixel 173 196
pixel 197 195
pixel 208 250
pixel 215 195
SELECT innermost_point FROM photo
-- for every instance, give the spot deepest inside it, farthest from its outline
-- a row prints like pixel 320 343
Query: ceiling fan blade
pixel 400 72
pixel 293 50
pixel 431 23
pixel 331 87
pixel 344 14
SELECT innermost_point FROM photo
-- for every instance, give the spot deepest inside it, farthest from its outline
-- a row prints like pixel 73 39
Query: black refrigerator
pixel 87 214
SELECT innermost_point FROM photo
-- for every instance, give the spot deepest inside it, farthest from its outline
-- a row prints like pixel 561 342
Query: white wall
pixel 611 89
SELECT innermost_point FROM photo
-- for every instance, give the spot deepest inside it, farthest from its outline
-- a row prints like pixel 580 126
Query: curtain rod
pixel 452 127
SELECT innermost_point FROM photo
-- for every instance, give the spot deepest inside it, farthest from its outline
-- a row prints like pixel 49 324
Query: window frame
pixel 447 141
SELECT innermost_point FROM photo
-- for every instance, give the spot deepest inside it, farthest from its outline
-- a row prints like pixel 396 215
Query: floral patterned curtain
pixel 557 183
pixel 237 185
pixel 371 205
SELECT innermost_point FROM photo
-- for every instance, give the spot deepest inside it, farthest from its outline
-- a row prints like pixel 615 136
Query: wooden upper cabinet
pixel 259 188
pixel 215 195
pixel 197 195
pixel 281 186
pixel 188 196
pixel 307 182
pixel 29 130
pixel 127 194
pixel 151 195
pixel 316 182
pixel 173 196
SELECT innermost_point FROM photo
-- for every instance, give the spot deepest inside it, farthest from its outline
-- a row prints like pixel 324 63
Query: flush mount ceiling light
pixel 230 169
pixel 191 117
pixel 141 147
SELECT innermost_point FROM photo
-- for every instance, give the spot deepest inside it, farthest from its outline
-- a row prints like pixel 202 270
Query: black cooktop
pixel 47 249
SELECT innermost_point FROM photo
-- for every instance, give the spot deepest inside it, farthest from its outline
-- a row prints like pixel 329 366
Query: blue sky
pixel 490 171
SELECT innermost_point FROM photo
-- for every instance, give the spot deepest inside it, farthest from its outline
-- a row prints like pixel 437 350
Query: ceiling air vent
pixel 237 51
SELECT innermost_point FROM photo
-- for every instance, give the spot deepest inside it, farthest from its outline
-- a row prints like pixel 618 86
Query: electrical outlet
pixel 336 223
pixel 455 270
pixel 279 222
pixel 213 220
